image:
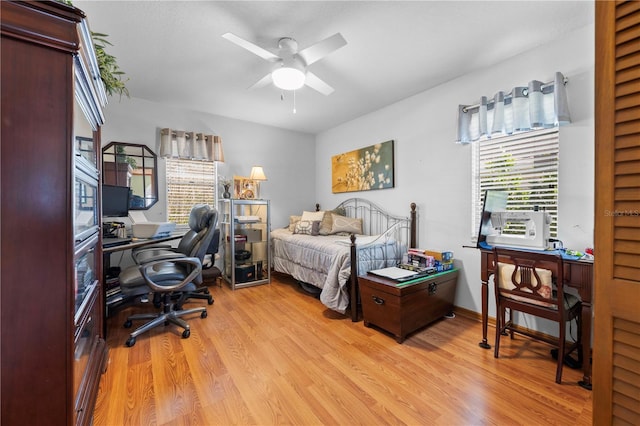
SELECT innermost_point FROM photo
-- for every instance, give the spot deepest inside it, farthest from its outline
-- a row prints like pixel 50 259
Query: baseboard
pixel 476 316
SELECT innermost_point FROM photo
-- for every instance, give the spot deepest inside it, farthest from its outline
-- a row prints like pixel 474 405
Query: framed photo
pixel 243 188
pixel 363 169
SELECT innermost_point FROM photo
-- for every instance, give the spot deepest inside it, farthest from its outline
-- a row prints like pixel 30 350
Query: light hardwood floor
pixel 275 355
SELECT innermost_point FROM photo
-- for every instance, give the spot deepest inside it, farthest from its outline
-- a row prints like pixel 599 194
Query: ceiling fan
pixel 290 65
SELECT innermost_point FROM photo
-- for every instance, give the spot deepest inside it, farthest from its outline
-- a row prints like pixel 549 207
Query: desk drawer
pixel 403 310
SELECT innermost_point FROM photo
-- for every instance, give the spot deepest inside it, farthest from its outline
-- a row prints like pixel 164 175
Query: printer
pixel 141 228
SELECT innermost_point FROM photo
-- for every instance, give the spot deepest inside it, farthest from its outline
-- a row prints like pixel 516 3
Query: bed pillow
pixel 312 216
pixel 307 227
pixel 292 222
pixel 346 224
pixel 327 219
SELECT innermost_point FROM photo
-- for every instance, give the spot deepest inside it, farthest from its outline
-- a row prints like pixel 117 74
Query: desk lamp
pixel 257 175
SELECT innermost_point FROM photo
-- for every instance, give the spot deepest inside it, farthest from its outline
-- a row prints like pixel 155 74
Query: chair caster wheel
pixel 203 314
pixel 186 334
pixel 206 291
pixel 128 324
pixel 210 300
pixel 130 341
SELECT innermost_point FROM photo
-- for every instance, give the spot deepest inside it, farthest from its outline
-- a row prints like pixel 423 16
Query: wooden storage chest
pixel 402 308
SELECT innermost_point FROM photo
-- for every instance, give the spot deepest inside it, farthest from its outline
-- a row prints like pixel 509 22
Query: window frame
pixel 537 148
pixel 201 173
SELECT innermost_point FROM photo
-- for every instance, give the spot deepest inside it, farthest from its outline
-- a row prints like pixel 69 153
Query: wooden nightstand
pixel 402 308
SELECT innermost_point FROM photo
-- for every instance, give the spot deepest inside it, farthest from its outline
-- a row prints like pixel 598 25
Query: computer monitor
pixel 115 201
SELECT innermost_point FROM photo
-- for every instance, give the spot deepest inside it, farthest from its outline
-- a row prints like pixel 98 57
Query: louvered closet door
pixel 616 357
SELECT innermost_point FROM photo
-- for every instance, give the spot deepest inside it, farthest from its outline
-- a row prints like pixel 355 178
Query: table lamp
pixel 257 175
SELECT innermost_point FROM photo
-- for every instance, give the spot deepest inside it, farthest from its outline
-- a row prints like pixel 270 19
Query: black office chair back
pixel 215 243
pixel 202 226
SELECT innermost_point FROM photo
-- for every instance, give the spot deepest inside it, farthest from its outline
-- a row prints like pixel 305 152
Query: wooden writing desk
pixel 578 274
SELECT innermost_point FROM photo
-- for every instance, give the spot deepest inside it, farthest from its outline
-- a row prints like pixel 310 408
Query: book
pixel 441 255
pixel 394 273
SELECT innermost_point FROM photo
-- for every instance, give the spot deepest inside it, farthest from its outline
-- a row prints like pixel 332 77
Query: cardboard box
pixel 443 266
pixel 442 256
pixel 253 235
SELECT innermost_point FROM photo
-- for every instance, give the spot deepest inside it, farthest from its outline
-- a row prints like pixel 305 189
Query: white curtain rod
pixel 187 134
pixel 509 95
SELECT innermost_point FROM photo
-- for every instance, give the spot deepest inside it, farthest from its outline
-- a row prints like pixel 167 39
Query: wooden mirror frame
pixel 135 166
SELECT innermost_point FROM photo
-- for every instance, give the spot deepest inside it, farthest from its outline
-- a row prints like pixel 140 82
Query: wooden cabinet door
pixel 616 356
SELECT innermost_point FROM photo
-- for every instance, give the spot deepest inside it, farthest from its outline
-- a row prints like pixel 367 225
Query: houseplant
pixel 110 73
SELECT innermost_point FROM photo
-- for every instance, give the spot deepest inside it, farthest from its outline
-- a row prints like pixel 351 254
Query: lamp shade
pixel 288 78
pixel 257 173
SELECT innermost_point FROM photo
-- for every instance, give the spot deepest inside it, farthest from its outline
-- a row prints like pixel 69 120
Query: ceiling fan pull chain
pixel 294 101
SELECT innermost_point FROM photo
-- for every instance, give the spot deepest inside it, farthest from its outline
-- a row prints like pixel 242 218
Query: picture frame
pixel 243 188
pixel 363 169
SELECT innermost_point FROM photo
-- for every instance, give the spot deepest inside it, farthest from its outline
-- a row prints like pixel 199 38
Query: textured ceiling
pixel 173 53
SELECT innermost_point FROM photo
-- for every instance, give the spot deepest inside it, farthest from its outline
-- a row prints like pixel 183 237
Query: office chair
pixel 169 276
pixel 185 248
pixel 533 283
pixel 208 265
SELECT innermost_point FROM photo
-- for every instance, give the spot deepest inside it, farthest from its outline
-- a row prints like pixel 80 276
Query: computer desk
pixel 106 262
pixel 578 274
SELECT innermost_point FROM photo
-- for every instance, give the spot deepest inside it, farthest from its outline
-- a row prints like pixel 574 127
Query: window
pixel 525 165
pixel 189 182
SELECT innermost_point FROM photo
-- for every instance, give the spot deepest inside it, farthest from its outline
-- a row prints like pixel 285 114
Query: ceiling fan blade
pixel 253 48
pixel 264 81
pixel 322 48
pixel 315 83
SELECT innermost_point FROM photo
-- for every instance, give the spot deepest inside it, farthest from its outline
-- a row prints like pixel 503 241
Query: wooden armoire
pixel 53 350
pixel 616 349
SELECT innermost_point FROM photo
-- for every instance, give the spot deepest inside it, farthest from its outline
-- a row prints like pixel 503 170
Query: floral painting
pixel 363 169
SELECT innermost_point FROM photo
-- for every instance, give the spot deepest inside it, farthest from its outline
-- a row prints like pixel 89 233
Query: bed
pixel 329 249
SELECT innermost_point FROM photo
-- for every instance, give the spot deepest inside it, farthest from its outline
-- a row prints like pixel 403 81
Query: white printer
pixel 141 228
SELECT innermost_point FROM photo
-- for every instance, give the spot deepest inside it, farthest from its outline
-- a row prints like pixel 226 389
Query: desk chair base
pixel 211 274
pixel 163 318
pixel 200 293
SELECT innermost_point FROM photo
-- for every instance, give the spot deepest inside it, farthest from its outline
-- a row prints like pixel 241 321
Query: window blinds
pixel 189 182
pixel 525 165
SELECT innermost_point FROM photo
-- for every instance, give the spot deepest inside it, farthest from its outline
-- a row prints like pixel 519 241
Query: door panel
pixel 616 356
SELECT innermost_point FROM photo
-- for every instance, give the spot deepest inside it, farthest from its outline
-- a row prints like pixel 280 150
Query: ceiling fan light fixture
pixel 288 78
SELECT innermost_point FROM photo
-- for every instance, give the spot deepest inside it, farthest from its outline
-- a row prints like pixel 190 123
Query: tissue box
pixel 152 229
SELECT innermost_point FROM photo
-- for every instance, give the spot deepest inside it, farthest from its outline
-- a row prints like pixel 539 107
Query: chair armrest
pixel 140 250
pixel 141 260
pixel 192 262
pixel 153 247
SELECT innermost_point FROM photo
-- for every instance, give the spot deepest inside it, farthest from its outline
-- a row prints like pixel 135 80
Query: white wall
pixel 430 169
pixel 434 172
pixel 287 157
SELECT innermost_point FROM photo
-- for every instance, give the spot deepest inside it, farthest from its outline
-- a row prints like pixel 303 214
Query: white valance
pixel 190 145
pixel 538 105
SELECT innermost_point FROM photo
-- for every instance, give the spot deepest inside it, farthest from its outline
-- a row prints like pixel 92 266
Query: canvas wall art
pixel 363 169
